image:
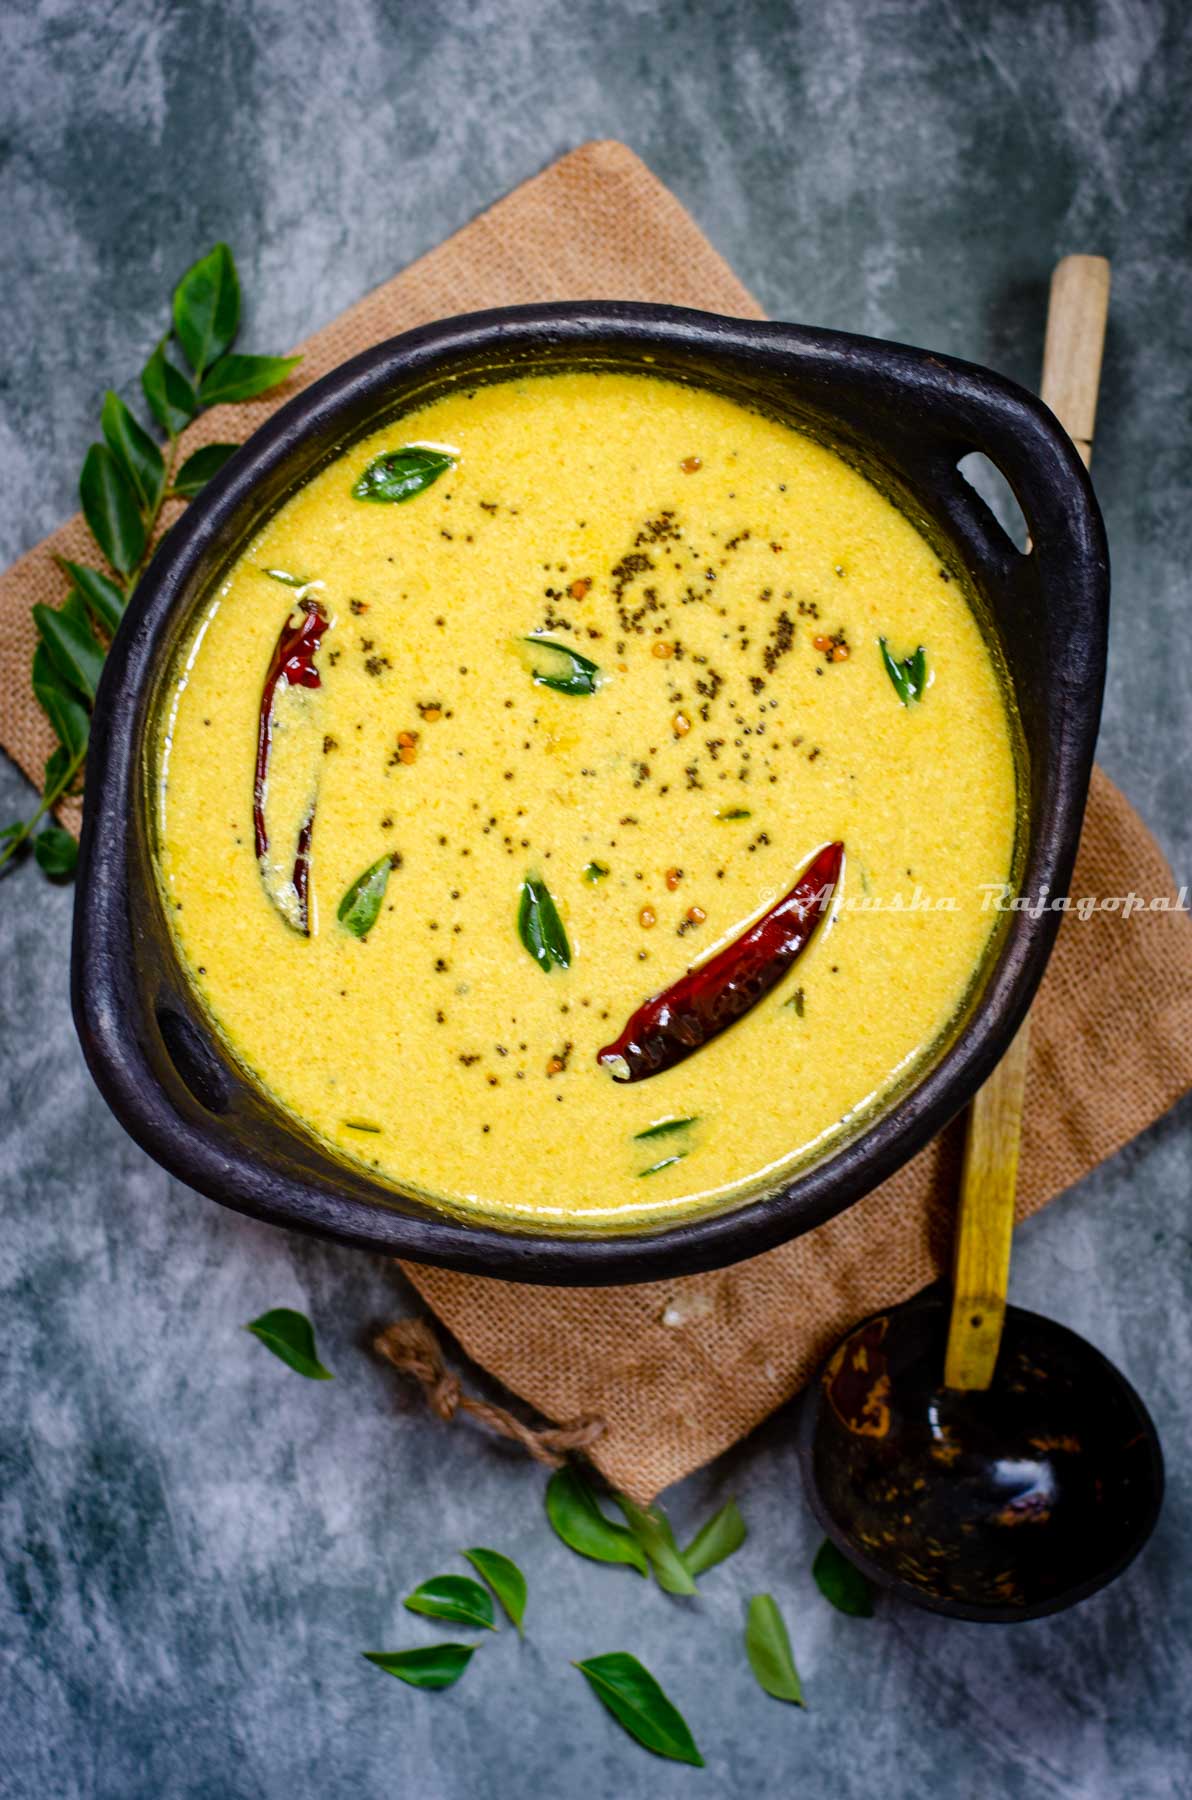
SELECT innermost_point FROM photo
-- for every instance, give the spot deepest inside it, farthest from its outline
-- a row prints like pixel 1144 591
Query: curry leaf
pixel 169 395
pixel 400 474
pixel 284 576
pixel 566 671
pixel 454 1597
pixel 291 1337
pixel 70 719
pixel 198 469
pixel 71 645
pixel 437 1666
pixel 110 509
pixel 357 911
pixel 244 377
pixel 840 1582
pixel 714 1542
pixel 134 450
pixel 595 871
pixel 57 773
pixel 207 308
pixel 56 851
pixel 909 676
pixel 652 1529
pixel 636 1701
pixel 504 1578
pixel 664 1127
pixel 572 1509
pixel 104 600
pixel 768 1648
pixel 540 927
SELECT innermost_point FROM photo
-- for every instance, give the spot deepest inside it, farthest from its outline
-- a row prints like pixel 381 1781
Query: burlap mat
pixel 680 1370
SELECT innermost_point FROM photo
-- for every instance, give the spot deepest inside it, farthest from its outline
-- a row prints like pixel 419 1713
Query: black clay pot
pixel 906 418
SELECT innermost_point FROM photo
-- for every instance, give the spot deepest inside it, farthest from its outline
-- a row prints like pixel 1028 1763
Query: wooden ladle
pixel 979 1459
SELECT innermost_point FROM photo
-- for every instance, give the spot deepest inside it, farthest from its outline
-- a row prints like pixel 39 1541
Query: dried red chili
pixel 292 663
pixel 702 1003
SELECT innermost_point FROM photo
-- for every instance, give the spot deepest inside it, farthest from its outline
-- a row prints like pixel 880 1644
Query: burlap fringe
pixel 413 1349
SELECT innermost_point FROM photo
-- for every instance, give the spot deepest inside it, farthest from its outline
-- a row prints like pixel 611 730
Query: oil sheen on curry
pixel 577 803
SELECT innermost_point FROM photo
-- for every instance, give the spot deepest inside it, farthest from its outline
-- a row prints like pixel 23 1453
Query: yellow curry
pixel 521 710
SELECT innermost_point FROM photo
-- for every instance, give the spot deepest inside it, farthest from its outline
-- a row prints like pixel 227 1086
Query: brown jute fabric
pixel 678 1371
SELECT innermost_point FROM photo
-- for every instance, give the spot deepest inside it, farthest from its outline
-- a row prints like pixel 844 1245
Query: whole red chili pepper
pixel 702 1003
pixel 292 663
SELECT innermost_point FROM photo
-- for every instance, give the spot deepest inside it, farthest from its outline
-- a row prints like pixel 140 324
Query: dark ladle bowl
pixel 994 1506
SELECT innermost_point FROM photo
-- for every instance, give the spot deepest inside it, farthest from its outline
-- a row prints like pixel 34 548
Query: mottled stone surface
pixel 196 1543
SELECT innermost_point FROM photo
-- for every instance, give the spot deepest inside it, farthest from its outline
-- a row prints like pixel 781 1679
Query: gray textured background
pixel 196 1543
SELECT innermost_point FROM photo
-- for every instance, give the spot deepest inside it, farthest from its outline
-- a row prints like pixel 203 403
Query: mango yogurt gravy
pixel 541 859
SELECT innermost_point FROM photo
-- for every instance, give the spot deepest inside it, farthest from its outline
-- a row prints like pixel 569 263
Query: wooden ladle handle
pixel 1075 338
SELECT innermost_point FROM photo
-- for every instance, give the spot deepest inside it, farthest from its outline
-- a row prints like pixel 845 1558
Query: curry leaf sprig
pixel 125 481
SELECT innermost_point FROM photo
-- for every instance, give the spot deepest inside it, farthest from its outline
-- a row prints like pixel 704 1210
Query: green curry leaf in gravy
pixel 540 928
pixel 566 671
pixel 357 911
pixel 398 475
pixel 909 676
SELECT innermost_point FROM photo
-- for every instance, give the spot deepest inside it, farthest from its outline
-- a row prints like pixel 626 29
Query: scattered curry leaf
pixel 573 1510
pixel 361 1125
pixel 71 646
pixel 540 927
pixel 454 1597
pixel 436 1666
pixel 134 450
pixel 56 851
pixel 768 1648
pixel 566 671
pixel 198 469
pixel 244 377
pixel 104 600
pixel 726 814
pixel 284 575
pixel 398 475
pixel 357 911
pixel 110 509
pixel 291 1337
pixel 207 308
pixel 652 1529
pixel 715 1541
pixel 168 394
pixel 663 1163
pixel 841 1582
pixel 636 1701
pixel 595 871
pixel 909 676
pixel 504 1578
